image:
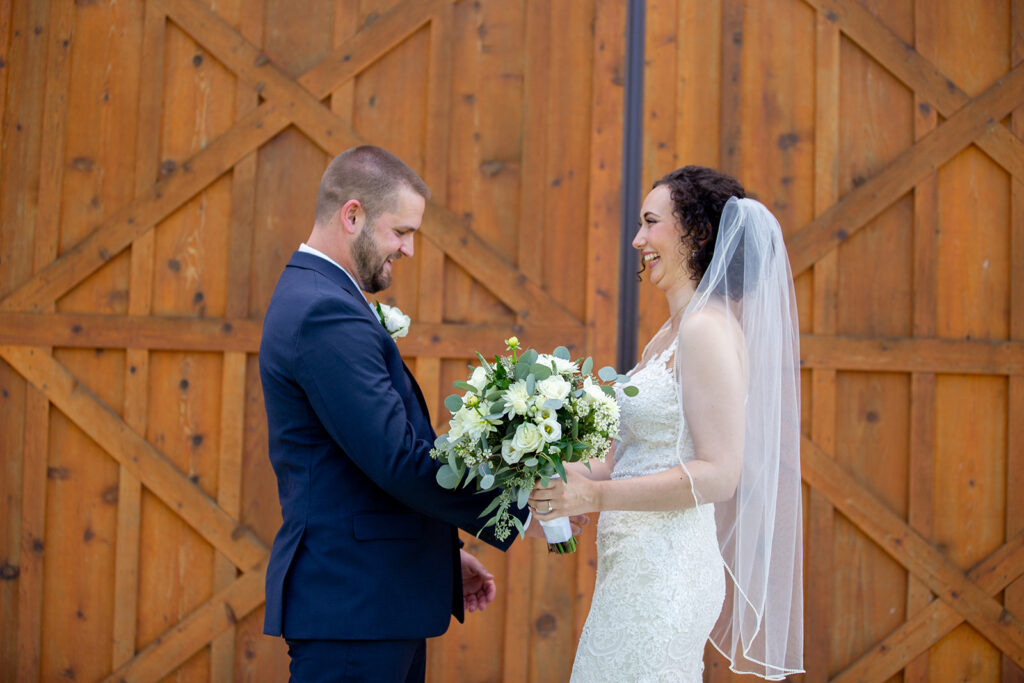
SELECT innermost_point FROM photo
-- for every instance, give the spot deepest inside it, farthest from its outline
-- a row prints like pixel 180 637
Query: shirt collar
pixel 316 252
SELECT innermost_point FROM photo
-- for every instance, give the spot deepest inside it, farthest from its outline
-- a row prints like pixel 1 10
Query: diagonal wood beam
pixel 919 74
pixel 922 630
pixel 441 226
pixel 908 548
pixel 116 232
pixel 153 469
pixel 863 203
pixel 175 646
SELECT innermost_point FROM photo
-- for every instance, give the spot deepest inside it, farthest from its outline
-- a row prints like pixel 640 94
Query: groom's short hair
pixel 369 174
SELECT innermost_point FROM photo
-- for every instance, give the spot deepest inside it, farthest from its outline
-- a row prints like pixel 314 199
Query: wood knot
pixel 546 625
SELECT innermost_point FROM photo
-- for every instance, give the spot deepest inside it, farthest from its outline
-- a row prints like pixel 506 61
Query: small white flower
pixel 469 422
pixel 528 438
pixel 554 387
pixel 551 430
pixel 562 366
pixel 393 320
pixel 544 414
pixel 517 399
pixel 593 391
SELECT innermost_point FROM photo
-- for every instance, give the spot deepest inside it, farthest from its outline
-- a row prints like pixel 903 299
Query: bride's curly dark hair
pixel 698 196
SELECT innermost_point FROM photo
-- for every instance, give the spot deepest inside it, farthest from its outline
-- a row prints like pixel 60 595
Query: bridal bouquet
pixel 521 418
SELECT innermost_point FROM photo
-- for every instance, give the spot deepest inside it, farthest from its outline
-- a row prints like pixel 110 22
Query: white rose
pixel 554 387
pixel 394 321
pixel 517 399
pixel 479 379
pixel 593 391
pixel 551 430
pixel 509 454
pixel 562 366
pixel 528 438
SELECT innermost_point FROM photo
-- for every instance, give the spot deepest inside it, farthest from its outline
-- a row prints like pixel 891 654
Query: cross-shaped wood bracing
pixel 29 328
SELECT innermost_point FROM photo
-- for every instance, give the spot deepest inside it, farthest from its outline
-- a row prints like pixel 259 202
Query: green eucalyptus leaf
pixel 447 477
pixel 530 462
pixel 523 497
pixel 453 403
pixel 531 384
pixel 483 362
pixel 491 507
pixel 607 374
pixel 540 371
pixel 519 526
pixel 560 469
pixel 469 479
pixel 623 379
pixel 553 404
pixel 441 442
pixel 561 352
pixel 487 481
pixel 608 390
pixel 465 386
pixel 630 390
pixel 521 370
pixel 587 366
pixel 530 357
pixel 494 395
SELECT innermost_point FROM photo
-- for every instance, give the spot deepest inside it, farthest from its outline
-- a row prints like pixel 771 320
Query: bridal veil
pixel 760 629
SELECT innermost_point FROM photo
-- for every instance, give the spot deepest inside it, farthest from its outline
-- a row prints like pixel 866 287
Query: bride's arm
pixel 713 395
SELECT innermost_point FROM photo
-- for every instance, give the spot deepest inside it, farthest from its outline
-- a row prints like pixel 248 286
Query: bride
pixel 700 536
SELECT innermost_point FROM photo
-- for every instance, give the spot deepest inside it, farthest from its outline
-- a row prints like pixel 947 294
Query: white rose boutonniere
pixel 393 320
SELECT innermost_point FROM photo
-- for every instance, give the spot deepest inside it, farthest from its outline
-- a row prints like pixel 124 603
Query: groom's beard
pixel 370 262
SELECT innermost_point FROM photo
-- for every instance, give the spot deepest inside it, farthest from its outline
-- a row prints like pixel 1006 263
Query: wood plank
pixel 188 636
pixel 912 354
pixel 105 427
pixel 920 75
pixel 602 251
pixel 821 537
pixel 922 424
pixel 1013 598
pixel 33 534
pixel 45 232
pixel 129 495
pixel 935 620
pixel 533 152
pixel 114 233
pixel 249 20
pixel 905 545
pixel 863 203
pixel 729 156
pixel 172 333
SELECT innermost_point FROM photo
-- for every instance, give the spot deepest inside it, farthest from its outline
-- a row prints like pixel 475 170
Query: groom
pixel 367 563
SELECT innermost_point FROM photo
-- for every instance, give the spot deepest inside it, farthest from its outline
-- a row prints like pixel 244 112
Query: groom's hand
pixel 478 587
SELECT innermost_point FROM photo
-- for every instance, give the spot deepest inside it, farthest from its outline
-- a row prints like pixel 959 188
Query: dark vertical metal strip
pixel 632 157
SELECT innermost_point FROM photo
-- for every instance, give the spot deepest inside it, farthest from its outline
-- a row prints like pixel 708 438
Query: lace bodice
pixel 660 579
pixel 649 421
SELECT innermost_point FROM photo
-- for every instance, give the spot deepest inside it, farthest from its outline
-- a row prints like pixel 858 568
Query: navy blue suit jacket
pixel 368 548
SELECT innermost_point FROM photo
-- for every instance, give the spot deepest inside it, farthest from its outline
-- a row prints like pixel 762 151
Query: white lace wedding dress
pixel 660 576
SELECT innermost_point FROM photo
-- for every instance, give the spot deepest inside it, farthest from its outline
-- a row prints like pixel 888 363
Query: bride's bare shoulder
pixel 709 325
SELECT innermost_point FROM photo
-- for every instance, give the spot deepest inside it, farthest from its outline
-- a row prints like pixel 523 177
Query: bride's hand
pixel 561 498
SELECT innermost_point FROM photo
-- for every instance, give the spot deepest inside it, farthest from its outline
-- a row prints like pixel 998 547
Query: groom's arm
pixel 340 365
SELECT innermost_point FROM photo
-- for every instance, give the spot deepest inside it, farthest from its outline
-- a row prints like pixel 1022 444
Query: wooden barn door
pixel 887 138
pixel 159 165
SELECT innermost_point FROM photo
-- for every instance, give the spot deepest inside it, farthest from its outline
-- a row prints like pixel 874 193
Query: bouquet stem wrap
pixel 558 533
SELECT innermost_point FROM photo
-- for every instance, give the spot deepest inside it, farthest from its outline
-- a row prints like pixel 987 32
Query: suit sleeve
pixel 342 369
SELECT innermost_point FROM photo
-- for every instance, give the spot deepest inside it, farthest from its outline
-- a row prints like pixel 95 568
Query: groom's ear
pixel 351 216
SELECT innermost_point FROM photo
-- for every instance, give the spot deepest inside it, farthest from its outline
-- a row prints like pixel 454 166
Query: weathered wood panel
pixel 160 162
pixel 856 122
pixel 156 173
